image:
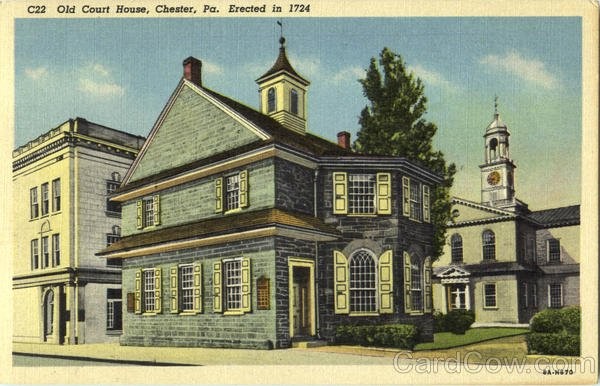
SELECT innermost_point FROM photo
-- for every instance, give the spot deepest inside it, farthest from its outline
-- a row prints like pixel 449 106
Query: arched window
pixel 363 282
pixel 489 245
pixel 493 148
pixel 416 285
pixel 456 245
pixel 49 313
pixel 271 100
pixel 294 101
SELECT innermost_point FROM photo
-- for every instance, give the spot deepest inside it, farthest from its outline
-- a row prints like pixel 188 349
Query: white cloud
pixel 531 70
pixel 351 74
pixel 433 78
pixel 36 73
pixel 96 79
pixel 211 68
pixel 305 66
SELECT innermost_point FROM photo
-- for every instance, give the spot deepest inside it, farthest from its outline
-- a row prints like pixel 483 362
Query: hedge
pixel 387 335
pixel 553 343
pixel 455 321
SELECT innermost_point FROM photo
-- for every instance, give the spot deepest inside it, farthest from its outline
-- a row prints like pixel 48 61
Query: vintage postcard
pixel 300 192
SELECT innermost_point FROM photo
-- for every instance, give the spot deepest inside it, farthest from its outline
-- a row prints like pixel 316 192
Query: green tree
pixel 393 124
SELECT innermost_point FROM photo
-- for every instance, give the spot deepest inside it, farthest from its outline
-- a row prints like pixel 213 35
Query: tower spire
pixel 496 105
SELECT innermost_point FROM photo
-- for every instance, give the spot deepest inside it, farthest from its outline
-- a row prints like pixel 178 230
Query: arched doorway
pixel 48 315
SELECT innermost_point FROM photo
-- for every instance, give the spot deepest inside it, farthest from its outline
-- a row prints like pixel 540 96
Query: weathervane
pixel 496 104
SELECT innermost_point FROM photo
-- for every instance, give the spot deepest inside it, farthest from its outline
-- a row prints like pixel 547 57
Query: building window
pixel 554 250
pixel 361 193
pixel 232 270
pixel 232 192
pixel 114 236
pixel 363 282
pixel 415 202
pixel 524 294
pixel 113 309
pixel 489 245
pixel 149 290
pixel 416 286
pixel 55 250
pixel 534 294
pixel 111 206
pixel 555 299
pixel 33 199
pixel 148 212
pixel 294 101
pixel 489 295
pixel 457 294
pixel 35 254
pixel 45 199
pixel 271 100
pixel 186 280
pixel 45 252
pixel 456 245
pixel 56 195
pixel 530 249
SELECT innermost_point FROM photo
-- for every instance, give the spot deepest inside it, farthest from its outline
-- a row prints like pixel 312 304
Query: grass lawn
pixel 443 340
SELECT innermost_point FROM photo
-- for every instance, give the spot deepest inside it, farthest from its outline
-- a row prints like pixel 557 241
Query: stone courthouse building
pixel 62 292
pixel 243 229
pixel 503 260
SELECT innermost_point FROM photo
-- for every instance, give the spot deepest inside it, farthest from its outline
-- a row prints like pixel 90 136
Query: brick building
pixel 61 219
pixel 243 229
pixel 503 260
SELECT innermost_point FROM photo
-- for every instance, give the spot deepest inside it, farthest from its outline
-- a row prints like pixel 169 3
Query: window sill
pixel 233 312
pixel 188 313
pixel 232 211
pixel 149 313
pixel 112 214
pixel 417 313
pixel 371 215
pixel 491 308
pixel 364 314
pixel 114 332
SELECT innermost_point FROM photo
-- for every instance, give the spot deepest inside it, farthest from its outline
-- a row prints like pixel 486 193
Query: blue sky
pixel 120 73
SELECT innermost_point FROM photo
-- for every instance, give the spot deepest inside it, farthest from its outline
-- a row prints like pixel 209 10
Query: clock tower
pixel 497 173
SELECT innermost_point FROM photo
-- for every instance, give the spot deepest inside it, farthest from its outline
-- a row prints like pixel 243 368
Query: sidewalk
pixel 206 356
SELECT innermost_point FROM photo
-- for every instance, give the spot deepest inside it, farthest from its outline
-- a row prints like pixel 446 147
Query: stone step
pixel 309 343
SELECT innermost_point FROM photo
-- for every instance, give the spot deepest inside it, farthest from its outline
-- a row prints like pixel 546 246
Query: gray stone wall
pixel 294 187
pixel 570 289
pixel 256 329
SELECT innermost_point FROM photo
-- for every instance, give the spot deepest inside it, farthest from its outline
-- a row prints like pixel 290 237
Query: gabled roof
pixel 224 225
pixel 282 64
pixel 493 214
pixel 555 217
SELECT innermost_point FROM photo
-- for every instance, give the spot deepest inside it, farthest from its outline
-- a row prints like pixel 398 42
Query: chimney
pixel 192 70
pixel 344 139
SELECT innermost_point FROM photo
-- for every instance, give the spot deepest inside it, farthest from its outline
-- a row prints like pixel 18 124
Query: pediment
pixel 453 272
pixel 465 211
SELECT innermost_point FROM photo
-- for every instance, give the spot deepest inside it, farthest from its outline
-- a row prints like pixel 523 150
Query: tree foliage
pixel 393 123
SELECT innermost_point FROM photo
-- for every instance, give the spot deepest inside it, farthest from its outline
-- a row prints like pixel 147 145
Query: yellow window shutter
pixel 139 205
pixel 138 292
pixel 219 195
pixel 340 193
pixel 426 214
pixel 197 287
pixel 156 209
pixel 243 189
pixel 217 295
pixel 174 284
pixel 407 269
pixel 157 290
pixel 341 279
pixel 386 283
pixel 384 190
pixel 406 196
pixel 246 285
pixel 428 306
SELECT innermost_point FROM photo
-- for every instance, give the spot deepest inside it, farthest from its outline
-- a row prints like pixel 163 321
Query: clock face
pixel 493 178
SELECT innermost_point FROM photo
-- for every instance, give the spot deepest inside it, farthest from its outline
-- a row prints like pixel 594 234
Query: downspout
pixel 318 330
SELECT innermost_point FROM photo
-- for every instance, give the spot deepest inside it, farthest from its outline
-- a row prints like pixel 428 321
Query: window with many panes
pixel 56 195
pixel 45 198
pixel 186 287
pixel 555 295
pixel 56 250
pixel 271 102
pixel 35 254
pixel 148 290
pixel 232 192
pixel 489 295
pixel 416 286
pixel 363 282
pixel 456 245
pixel 232 272
pixel 553 250
pixel 534 294
pixel 148 212
pixel 112 206
pixel 524 295
pixel 45 252
pixel 33 199
pixel 416 212
pixel 489 245
pixel 361 193
pixel 114 236
pixel 113 309
pixel 294 101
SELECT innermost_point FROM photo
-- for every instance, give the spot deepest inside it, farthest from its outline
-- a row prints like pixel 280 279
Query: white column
pixel 444 308
pixel 468 296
